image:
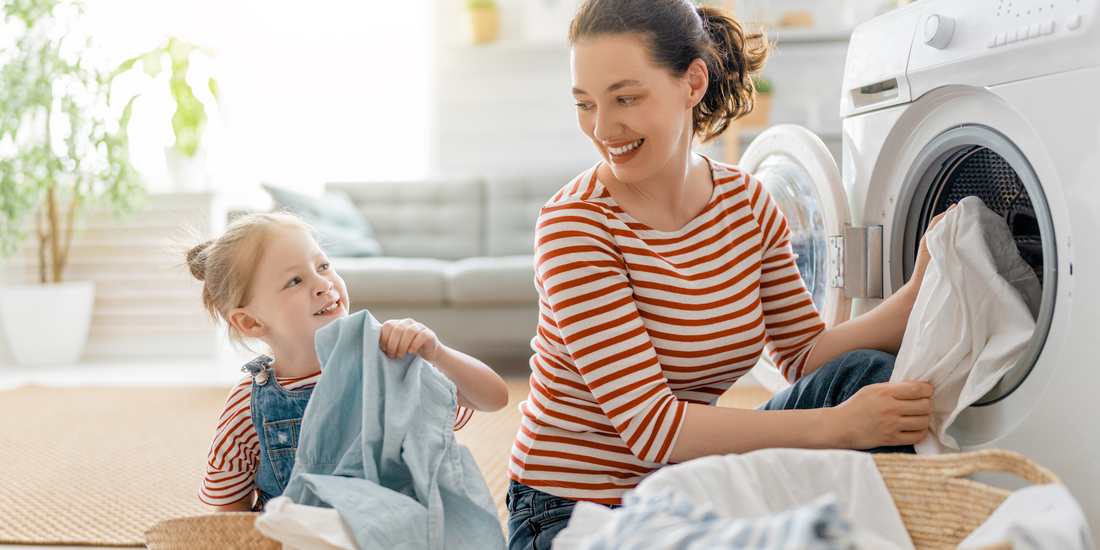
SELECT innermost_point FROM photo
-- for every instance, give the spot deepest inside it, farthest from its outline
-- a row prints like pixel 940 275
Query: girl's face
pixel 295 292
pixel 638 115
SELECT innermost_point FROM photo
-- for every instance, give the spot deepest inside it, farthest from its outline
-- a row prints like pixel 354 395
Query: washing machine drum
pixel 979 161
pixel 980 172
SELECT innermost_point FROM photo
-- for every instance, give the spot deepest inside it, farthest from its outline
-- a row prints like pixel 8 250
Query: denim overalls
pixel 277 415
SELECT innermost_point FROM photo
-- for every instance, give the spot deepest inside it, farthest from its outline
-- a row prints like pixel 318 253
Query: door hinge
pixel 862 256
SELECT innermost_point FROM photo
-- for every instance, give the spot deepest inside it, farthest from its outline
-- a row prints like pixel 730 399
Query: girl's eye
pixel 584 106
pixel 293 282
pixel 323 267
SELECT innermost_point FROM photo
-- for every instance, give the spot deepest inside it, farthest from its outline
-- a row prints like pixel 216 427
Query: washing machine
pixel 945 99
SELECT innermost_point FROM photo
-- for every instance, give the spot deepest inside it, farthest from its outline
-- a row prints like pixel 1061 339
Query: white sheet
pixel 301 527
pixel 973 317
pixel 768 482
pixel 1039 517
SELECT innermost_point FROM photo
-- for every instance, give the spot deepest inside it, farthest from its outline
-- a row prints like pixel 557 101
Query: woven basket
pixel 938 505
pixel 223 531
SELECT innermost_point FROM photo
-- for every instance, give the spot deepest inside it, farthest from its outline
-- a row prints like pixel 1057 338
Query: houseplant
pixel 63 148
pixel 185 159
pixel 484 20
pixel 758 117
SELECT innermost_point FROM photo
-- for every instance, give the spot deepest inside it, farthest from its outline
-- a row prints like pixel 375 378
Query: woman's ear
pixel 697 78
pixel 246 324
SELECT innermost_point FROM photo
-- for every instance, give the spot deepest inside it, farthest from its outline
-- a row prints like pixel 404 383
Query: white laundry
pixel 301 527
pixel 1038 517
pixel 973 316
pixel 768 482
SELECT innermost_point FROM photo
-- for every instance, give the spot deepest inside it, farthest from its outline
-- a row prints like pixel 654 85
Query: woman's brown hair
pixel 678 33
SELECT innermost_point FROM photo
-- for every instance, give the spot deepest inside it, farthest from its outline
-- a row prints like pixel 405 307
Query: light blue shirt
pixel 377 444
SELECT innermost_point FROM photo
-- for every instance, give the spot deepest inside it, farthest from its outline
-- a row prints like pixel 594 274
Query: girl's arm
pixel 479 387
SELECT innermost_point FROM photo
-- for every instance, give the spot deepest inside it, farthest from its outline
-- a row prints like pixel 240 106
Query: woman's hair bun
pixel 196 260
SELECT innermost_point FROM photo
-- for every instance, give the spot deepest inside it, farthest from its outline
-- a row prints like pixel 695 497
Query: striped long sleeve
pixel 636 323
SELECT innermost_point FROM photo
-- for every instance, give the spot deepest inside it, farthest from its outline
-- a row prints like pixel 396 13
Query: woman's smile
pixel 624 153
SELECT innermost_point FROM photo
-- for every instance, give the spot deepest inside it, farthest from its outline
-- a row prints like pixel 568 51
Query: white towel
pixel 1039 517
pixel 301 527
pixel 973 317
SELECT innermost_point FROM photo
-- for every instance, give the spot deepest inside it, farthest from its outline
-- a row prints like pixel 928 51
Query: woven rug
pixel 99 466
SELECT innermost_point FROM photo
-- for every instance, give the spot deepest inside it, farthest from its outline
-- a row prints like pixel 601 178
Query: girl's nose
pixel 324 285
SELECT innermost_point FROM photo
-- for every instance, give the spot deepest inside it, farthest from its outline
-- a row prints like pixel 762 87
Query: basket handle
pixel 999 460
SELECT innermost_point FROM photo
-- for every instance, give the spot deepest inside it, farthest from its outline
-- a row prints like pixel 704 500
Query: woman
pixel 662 277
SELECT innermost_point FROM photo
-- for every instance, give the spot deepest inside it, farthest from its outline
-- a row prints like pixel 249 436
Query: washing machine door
pixel 804 181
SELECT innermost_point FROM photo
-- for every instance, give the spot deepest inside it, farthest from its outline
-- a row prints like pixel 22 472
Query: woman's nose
pixel 606 125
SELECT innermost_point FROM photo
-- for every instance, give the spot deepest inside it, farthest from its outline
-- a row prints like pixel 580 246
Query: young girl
pixel 267 278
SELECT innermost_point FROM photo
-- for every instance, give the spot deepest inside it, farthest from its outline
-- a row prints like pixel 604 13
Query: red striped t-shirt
pixel 234 453
pixel 635 323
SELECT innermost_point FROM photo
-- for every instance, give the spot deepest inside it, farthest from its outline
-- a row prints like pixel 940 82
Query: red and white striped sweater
pixel 635 323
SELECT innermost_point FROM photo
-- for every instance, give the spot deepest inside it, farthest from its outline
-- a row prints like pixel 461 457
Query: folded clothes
pixel 973 317
pixel 1039 517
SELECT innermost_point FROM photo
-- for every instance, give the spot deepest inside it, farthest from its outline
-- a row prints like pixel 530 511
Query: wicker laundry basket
pixel 939 506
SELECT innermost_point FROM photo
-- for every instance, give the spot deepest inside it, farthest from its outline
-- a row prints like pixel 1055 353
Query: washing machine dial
pixel 938 30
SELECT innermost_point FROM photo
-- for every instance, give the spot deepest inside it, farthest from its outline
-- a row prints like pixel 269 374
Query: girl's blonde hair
pixel 227 265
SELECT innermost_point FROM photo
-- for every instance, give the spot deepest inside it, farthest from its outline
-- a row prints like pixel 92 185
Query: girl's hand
pixel 923 257
pixel 404 336
pixel 886 414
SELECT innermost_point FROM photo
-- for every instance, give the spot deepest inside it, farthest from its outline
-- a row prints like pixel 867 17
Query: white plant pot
pixel 188 173
pixel 47 324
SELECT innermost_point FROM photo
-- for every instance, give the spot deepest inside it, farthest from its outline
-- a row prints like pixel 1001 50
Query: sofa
pixel 458 255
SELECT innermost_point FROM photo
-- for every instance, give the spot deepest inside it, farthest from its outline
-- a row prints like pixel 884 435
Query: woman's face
pixel 637 114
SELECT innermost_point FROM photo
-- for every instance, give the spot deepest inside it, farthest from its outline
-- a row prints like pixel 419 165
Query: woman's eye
pixel 584 106
pixel 627 100
pixel 293 282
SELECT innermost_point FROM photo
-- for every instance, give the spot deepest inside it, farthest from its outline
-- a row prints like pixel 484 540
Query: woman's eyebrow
pixel 613 87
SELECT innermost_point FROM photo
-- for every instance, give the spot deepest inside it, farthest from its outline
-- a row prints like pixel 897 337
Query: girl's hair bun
pixel 196 260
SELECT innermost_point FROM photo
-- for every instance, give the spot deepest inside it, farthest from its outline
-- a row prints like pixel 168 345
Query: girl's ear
pixel 246 324
pixel 697 78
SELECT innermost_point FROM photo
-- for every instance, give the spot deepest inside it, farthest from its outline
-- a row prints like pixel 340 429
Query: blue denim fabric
pixel 535 517
pixel 834 382
pixel 377 444
pixel 277 417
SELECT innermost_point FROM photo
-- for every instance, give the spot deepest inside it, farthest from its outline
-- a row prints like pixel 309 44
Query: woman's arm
pixel 479 387
pixel 243 505
pixel 877 415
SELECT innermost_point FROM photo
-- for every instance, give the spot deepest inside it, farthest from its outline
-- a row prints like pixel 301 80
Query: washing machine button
pixel 1033 31
pixel 1001 39
pixel 1047 27
pixel 938 30
pixel 1010 37
pixel 1021 34
pixel 1073 22
pixel 992 42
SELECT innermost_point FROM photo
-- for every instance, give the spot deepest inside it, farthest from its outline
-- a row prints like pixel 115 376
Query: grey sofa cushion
pixel 344 231
pixel 413 281
pixel 422 219
pixel 500 280
pixel 512 208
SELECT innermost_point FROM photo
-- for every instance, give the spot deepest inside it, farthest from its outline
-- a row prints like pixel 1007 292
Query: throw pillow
pixel 344 231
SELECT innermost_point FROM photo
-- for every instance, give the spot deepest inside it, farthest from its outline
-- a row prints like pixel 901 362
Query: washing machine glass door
pixel 804 181
pixel 801 176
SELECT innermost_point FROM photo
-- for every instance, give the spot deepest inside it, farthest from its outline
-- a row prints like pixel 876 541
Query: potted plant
pixel 758 117
pixel 63 148
pixel 484 20
pixel 186 160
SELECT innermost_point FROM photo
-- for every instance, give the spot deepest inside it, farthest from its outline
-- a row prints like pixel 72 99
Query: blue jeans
pixel 535 517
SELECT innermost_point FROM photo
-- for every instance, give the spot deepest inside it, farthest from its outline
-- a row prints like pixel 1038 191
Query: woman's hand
pixel 403 336
pixel 923 257
pixel 886 414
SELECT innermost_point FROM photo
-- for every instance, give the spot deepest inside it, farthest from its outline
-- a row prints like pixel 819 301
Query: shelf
pixel 808 34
